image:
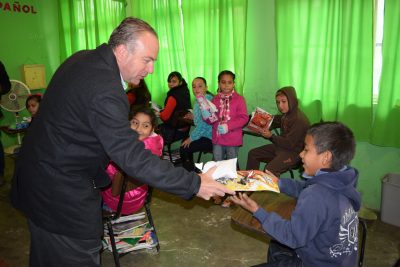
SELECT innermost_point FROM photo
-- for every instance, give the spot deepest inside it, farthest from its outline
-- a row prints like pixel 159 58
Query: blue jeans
pixel 225 152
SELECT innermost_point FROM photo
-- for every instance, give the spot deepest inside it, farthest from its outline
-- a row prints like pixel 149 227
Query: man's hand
pixel 210 188
pixel 245 202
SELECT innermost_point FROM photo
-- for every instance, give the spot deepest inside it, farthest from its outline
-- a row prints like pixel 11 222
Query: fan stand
pixel 18 133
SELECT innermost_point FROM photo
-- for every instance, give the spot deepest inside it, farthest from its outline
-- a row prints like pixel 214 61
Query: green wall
pixel 28 38
pixel 260 67
pixel 33 39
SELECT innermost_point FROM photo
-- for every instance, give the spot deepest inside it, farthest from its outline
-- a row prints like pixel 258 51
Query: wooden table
pixel 271 201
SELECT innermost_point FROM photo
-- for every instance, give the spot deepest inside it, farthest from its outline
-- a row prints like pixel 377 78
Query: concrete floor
pixel 192 233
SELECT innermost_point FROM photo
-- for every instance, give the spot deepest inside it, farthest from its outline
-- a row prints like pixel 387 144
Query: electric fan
pixel 14 101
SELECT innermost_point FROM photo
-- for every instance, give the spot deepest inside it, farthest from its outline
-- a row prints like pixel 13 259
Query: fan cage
pixel 14 101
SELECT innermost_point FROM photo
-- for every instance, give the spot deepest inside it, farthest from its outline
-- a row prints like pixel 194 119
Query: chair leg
pixel 291 174
pixel 113 244
pixel 148 212
pixel 363 225
pixel 170 153
pixel 199 157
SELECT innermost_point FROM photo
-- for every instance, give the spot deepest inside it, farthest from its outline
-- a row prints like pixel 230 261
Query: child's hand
pixel 186 143
pixel 266 133
pixel 188 116
pixel 245 202
pixel 223 128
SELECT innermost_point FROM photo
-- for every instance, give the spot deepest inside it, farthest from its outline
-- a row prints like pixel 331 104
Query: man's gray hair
pixel 128 32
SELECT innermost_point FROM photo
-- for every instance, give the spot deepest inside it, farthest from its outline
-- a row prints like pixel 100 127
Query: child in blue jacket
pixel 323 228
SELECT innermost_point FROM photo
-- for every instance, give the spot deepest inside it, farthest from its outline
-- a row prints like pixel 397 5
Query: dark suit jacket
pixel 82 123
pixel 5 84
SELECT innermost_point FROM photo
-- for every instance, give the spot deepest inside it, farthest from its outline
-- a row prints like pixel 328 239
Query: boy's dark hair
pixel 336 138
pixel 175 74
pixel 226 72
pixel 145 110
pixel 37 97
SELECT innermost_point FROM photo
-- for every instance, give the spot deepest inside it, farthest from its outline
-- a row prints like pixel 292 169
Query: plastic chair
pixel 298 168
pixel 203 152
pixel 109 218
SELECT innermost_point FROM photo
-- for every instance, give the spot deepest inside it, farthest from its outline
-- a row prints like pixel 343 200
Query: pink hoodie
pixel 134 199
pixel 238 119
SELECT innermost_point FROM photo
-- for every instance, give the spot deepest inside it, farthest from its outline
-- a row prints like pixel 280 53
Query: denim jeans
pixel 225 152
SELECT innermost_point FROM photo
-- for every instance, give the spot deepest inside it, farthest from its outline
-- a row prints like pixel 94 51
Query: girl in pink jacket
pixel 143 121
pixel 232 116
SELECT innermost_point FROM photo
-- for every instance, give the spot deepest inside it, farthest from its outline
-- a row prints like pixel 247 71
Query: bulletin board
pixel 34 76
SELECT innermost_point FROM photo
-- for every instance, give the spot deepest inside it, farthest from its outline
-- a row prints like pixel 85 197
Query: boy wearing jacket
pixel 323 228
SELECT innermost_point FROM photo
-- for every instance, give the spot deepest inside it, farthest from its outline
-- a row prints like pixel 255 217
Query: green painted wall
pixel 28 38
pixel 260 67
pixel 33 39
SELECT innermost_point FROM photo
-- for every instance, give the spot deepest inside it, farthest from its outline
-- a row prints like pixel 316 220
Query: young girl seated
pixel 32 105
pixel 143 121
pixel 176 105
pixel 200 138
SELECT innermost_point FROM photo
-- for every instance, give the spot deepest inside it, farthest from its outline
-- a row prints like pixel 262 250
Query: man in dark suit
pixel 82 123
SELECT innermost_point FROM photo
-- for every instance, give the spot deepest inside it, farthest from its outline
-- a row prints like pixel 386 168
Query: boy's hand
pixel 245 202
pixel 211 188
pixel 266 133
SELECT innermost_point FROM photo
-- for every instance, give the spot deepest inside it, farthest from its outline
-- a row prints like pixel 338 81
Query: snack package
pixel 260 120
